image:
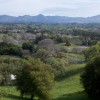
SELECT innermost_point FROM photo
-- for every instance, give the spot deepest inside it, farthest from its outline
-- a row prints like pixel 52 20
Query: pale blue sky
pixel 73 8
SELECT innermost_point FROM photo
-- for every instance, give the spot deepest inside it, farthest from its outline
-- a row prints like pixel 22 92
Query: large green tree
pixel 91 78
pixel 35 79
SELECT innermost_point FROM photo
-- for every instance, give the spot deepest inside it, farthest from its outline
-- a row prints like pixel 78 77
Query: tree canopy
pixel 35 79
pixel 91 78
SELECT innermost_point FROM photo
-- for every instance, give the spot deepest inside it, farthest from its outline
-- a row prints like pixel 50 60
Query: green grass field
pixel 67 87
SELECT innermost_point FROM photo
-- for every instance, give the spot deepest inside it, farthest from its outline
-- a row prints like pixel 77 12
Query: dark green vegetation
pixel 92 52
pixel 8 66
pixel 45 61
pixel 9 49
pixel 35 79
pixel 91 76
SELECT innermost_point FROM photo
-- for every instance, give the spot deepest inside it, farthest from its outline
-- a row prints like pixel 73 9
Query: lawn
pixel 67 87
pixel 76 56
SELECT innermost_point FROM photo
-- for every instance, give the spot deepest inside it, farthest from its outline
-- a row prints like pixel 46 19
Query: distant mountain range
pixel 48 19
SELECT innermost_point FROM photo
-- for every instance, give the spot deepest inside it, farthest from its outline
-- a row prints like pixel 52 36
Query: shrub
pixel 58 65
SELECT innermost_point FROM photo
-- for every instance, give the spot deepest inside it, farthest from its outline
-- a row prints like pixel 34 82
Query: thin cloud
pixel 50 7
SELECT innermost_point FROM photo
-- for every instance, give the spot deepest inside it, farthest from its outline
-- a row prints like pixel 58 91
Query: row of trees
pixel 85 34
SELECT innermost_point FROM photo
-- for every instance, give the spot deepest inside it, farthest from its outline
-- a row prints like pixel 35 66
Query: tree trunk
pixel 32 97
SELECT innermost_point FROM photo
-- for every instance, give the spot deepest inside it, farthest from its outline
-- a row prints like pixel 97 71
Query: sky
pixel 71 8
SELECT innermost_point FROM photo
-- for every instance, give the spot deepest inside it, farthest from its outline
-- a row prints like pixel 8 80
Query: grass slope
pixel 67 87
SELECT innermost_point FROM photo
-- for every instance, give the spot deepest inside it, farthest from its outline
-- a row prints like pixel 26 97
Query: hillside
pixel 48 19
pixel 66 88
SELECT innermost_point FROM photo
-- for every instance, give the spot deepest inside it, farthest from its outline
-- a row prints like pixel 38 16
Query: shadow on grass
pixel 68 74
pixel 14 97
pixel 73 96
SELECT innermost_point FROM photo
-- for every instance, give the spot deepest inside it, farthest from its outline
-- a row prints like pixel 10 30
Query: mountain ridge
pixel 48 19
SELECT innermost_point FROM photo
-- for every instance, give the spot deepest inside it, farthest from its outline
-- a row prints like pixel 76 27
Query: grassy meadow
pixel 67 87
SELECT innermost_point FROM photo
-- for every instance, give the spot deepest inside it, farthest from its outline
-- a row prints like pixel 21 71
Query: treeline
pixel 78 34
pixel 11 49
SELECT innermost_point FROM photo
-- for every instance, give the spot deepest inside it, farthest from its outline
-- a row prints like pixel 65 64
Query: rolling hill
pixel 48 19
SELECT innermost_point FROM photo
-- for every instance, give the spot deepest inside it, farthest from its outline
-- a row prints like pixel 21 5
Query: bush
pixel 91 78
pixel 58 65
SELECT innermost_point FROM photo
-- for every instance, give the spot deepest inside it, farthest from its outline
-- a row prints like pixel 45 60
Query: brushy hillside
pixel 67 87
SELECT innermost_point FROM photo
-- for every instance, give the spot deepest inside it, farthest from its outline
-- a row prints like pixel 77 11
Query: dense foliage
pixel 35 79
pixel 9 49
pixel 91 78
pixel 28 46
pixel 58 65
pixel 8 67
pixel 92 51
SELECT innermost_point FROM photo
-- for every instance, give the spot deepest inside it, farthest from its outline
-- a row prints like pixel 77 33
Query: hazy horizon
pixel 51 15
pixel 75 8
